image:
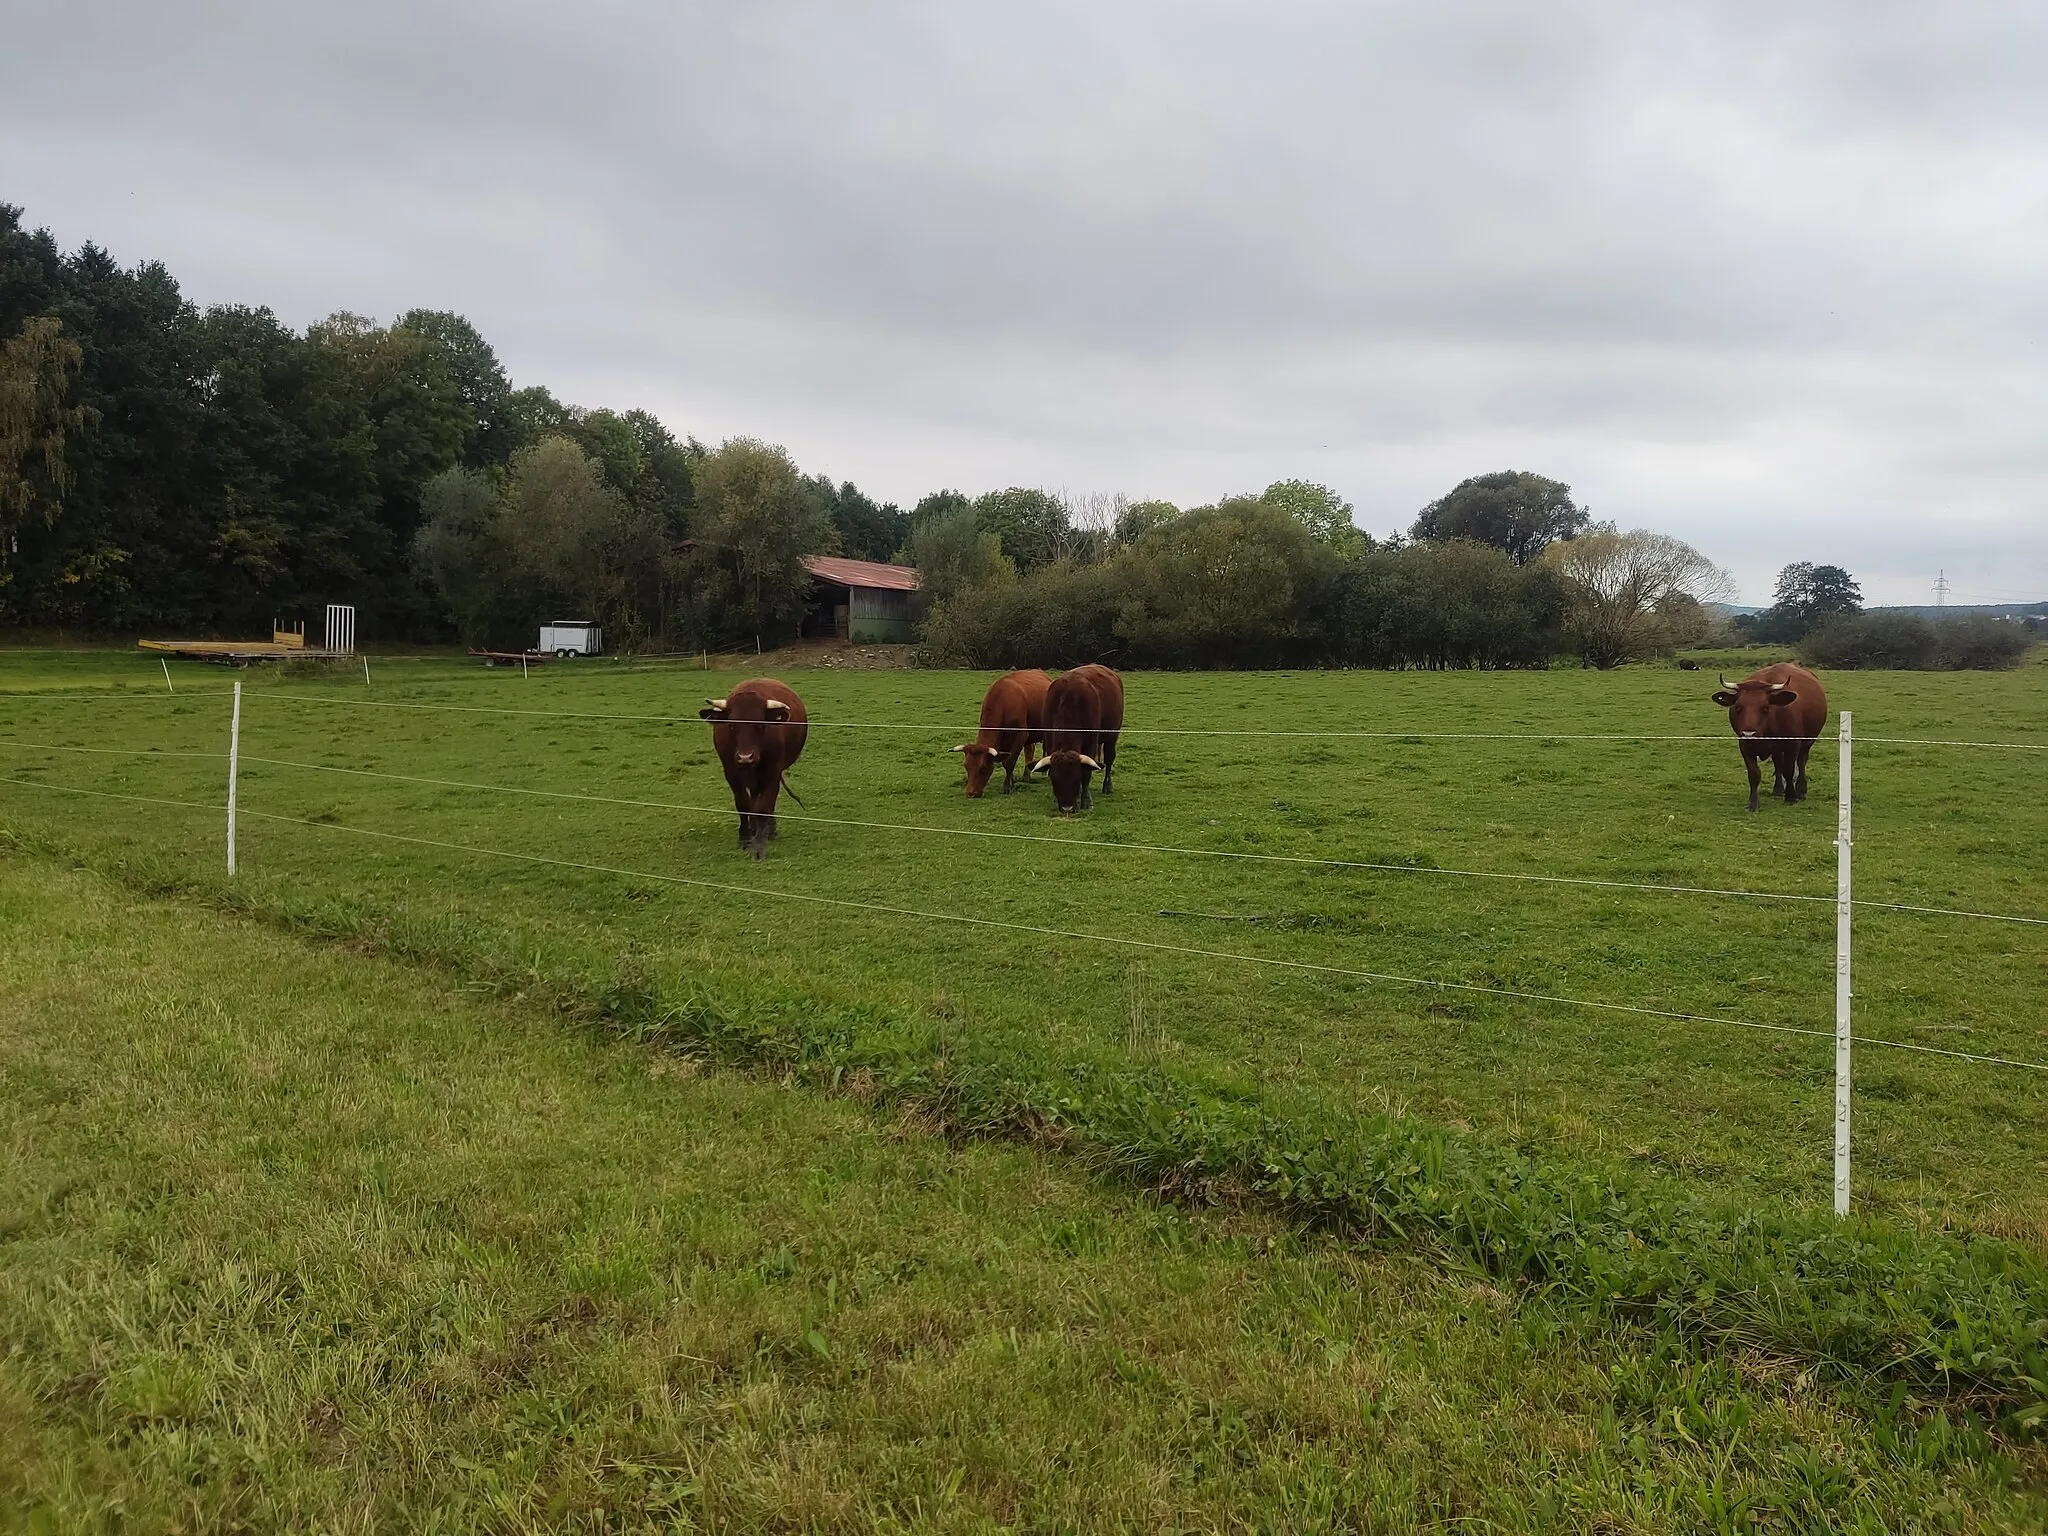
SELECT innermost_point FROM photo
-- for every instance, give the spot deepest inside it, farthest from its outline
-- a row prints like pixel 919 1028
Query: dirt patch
pixel 846 656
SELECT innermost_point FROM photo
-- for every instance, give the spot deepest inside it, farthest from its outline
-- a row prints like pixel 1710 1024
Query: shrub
pixel 1898 642
pixel 1059 615
pixel 1982 644
pixel 1905 642
pixel 1239 584
pixel 1454 604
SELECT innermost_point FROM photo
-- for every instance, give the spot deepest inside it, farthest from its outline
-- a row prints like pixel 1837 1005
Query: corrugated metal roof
pixel 862 573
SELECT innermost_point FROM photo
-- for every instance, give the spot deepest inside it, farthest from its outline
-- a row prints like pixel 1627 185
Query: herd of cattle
pixel 1067 727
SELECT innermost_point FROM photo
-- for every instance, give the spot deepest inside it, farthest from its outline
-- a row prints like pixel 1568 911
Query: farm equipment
pixel 571 637
pixel 512 658
pixel 287 642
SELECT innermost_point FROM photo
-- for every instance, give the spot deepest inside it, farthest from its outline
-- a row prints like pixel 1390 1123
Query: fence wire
pixel 1299 860
pixel 965 728
pixel 1040 931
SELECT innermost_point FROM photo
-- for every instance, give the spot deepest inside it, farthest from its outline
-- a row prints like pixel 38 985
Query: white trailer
pixel 571 637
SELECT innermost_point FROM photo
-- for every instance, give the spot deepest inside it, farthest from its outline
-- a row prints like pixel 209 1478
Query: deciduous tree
pixel 1031 525
pixel 1518 513
pixel 1320 510
pixel 1616 583
pixel 756 519
pixel 39 368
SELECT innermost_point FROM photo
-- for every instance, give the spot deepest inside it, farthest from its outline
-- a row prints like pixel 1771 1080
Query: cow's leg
pixel 1805 749
pixel 1108 760
pixel 1755 776
pixel 743 802
pixel 1009 772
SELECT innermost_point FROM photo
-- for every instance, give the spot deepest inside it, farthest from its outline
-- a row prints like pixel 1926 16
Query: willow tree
pixel 37 369
pixel 1620 586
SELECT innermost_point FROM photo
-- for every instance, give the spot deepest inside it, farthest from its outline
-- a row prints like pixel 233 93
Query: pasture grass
pixel 1725 1110
pixel 296 1237
pixel 1638 1165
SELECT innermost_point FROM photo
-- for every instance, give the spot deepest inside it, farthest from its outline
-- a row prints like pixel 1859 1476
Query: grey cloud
pixel 1767 277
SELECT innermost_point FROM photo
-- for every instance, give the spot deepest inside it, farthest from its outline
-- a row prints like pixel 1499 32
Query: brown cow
pixel 1084 711
pixel 1012 723
pixel 759 730
pixel 1777 712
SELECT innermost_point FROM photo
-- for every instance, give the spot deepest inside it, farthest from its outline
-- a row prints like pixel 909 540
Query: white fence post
pixel 1842 1034
pixel 234 767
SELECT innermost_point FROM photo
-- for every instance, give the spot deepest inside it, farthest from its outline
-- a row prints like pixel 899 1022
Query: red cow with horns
pixel 758 730
pixel 1777 712
pixel 1012 722
pixel 1084 711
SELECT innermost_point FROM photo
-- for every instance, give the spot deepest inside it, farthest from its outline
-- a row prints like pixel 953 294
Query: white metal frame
pixel 341 628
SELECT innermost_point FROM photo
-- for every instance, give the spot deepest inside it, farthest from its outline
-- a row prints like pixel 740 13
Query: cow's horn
pixel 716 703
pixel 956 749
pixel 1724 679
pixel 774 704
pixel 1089 761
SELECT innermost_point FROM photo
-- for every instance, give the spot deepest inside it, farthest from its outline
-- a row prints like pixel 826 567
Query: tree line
pixel 1505 570
pixel 169 467
pixel 175 468
pixel 1818 609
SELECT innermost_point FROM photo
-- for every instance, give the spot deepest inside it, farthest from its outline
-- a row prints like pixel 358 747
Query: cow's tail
pixel 787 790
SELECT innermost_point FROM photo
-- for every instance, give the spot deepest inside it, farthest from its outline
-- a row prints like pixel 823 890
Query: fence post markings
pixel 1843 908
pixel 234 764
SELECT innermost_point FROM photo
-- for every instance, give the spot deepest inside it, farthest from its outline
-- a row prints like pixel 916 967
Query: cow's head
pixel 980 761
pixel 751 715
pixel 1749 704
pixel 1068 770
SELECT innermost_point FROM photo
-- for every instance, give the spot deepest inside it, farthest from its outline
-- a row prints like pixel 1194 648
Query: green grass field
pixel 1724 1109
pixel 297 1238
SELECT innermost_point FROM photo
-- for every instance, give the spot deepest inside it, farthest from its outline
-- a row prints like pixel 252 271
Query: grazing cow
pixel 1777 712
pixel 759 730
pixel 1084 711
pixel 1012 723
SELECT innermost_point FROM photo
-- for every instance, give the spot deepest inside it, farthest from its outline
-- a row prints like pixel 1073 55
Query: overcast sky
pixel 1772 278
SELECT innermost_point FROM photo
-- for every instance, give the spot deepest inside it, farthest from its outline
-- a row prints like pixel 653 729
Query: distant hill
pixel 1927 611
pixel 1969 610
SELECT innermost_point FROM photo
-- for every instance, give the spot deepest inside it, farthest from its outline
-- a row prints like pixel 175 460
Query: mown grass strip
pixel 1875 1305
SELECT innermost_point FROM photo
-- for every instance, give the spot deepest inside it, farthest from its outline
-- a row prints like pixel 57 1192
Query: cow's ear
pixel 1725 698
pixel 1783 696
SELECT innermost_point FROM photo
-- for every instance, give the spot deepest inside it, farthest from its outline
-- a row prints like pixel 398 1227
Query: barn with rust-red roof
pixel 860 600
